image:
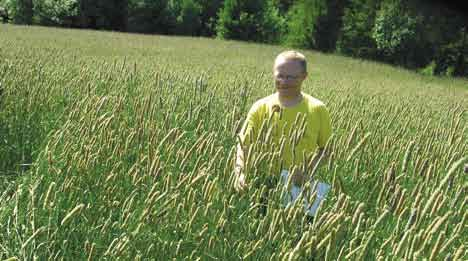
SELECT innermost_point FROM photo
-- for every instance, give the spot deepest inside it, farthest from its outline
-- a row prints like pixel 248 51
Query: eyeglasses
pixel 287 77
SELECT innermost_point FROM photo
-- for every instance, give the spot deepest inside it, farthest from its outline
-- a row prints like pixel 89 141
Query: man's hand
pixel 240 185
pixel 298 178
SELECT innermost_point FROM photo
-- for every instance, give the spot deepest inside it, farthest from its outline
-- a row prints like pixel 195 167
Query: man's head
pixel 289 71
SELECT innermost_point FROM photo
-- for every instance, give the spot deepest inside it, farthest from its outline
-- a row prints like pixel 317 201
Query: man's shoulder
pixel 264 102
pixel 312 101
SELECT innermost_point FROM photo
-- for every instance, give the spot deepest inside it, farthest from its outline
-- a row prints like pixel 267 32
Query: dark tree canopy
pixel 429 36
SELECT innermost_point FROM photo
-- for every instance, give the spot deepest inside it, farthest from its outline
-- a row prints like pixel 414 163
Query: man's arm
pixel 239 182
pixel 247 132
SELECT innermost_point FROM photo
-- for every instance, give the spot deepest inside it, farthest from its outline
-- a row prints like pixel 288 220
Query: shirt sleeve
pixel 325 127
pixel 250 128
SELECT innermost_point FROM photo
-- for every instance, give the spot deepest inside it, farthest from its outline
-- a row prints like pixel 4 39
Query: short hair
pixel 293 55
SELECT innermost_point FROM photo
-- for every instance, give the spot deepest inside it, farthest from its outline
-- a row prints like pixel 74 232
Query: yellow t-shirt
pixel 305 127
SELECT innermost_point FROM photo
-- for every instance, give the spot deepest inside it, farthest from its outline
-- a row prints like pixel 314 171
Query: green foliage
pixel 393 28
pixel 56 12
pixel 229 20
pixel 328 25
pixel 428 69
pixel 25 12
pixel 446 30
pixel 274 24
pixel 248 20
pixel 302 20
pixel 104 14
pixel 187 17
pixel 356 34
pixel 396 32
pixel 20 11
pixel 452 59
pixel 147 16
pixel 209 15
pixel 283 5
pixel 4 12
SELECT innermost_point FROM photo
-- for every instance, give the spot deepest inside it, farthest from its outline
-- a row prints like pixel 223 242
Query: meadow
pixel 121 146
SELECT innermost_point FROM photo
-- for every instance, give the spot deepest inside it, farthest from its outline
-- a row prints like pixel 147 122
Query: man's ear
pixel 304 75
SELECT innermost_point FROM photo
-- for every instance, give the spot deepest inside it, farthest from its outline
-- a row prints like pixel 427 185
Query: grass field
pixel 121 146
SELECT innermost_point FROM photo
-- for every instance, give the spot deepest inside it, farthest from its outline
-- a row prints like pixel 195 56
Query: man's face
pixel 288 75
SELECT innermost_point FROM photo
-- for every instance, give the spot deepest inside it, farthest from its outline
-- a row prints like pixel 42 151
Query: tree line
pixel 427 36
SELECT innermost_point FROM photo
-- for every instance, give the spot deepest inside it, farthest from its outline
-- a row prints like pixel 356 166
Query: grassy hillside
pixel 121 146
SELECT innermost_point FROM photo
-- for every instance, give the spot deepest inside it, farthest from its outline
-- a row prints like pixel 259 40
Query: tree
pixel 446 27
pixel 104 14
pixel 328 25
pixel 247 20
pixel 19 11
pixel 88 13
pixel 149 16
pixel 56 12
pixel 274 23
pixel 25 12
pixel 187 17
pixel 4 14
pixel 209 10
pixel 283 6
pixel 461 64
pixel 355 38
pixel 112 14
pixel 396 32
pixel 302 21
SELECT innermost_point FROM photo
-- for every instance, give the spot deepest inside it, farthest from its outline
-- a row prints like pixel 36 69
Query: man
pixel 282 110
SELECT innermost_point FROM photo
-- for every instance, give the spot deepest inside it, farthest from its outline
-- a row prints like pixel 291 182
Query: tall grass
pixel 120 146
